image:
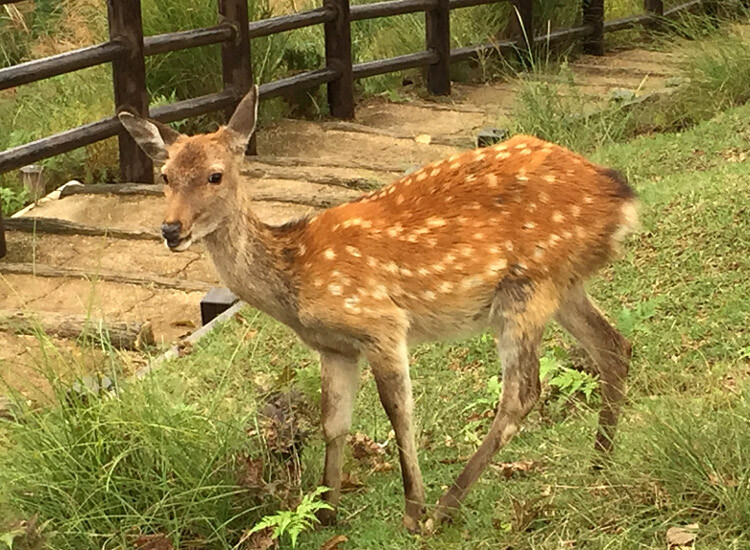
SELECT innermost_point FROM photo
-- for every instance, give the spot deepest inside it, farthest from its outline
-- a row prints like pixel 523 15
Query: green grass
pixel 164 456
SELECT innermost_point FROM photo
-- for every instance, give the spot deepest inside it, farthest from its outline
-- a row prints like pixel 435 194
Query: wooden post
pixel 438 34
pixel 339 57
pixel 236 63
pixel 523 14
pixel 129 76
pixel 593 16
pixel 655 7
pixel 3 246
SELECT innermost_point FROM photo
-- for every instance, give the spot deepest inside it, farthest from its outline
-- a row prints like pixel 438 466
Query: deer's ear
pixel 151 136
pixel 242 124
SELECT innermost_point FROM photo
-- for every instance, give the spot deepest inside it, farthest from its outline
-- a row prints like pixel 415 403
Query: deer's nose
pixel 171 232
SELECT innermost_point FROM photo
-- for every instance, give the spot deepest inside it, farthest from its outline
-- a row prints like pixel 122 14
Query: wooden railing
pixel 127 49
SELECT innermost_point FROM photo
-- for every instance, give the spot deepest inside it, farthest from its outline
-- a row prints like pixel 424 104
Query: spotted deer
pixel 501 237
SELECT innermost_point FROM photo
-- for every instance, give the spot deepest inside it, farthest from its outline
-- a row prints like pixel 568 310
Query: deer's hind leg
pixel 390 368
pixel 610 351
pixel 520 314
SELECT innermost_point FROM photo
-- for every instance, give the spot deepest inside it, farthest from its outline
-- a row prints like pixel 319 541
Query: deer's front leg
pixel 339 377
pixel 390 367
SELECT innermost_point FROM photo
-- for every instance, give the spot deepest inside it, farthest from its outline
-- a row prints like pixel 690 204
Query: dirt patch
pixel 307 139
pixel 414 120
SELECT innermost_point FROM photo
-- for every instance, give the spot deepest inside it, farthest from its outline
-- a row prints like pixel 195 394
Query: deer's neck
pixel 254 261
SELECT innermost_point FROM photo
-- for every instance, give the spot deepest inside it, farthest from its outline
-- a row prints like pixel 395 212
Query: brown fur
pixel 500 238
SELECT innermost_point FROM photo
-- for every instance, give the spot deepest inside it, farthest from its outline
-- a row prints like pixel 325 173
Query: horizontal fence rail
pixel 63 63
pixel 127 49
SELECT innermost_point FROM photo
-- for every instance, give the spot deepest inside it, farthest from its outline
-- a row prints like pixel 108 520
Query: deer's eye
pixel 164 178
pixel 214 178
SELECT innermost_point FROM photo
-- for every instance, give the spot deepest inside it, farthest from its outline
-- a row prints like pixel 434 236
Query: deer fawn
pixel 502 237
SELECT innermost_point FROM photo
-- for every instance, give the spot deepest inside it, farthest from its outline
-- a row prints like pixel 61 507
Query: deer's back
pixel 431 251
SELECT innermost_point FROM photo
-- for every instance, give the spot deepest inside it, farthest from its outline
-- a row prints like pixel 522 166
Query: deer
pixel 500 238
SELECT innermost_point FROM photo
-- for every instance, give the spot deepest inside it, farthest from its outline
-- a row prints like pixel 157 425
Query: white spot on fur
pixel 435 172
pixel 302 249
pixel 466 251
pixel 422 175
pixel 557 217
pixel 587 199
pixel 446 287
pixel 329 254
pixel 498 266
pixel 354 251
pixel 438 268
pixel 470 282
pixel 372 262
pixel 575 210
pixel 335 289
pixel 492 180
pixel 522 145
pixel 429 295
pixel 509 245
pixel 318 283
pixel 423 271
pixel 549 178
pixel 436 222
pixel 524 152
pixel 399 199
pixel 449 258
pixel 479 236
pixel 553 239
pixel 502 155
pixel 406 272
pixel 529 225
pixel 392 267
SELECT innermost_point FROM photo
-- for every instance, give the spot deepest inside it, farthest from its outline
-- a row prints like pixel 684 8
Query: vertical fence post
pixel 3 247
pixel 129 78
pixel 438 36
pixel 339 57
pixel 655 7
pixel 593 16
pixel 236 63
pixel 523 14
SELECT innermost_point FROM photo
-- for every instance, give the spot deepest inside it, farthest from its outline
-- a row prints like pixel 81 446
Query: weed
pixel 292 523
pixel 12 199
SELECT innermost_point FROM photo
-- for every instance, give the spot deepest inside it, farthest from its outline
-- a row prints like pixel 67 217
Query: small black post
pixel 523 12
pixel 438 37
pixel 3 246
pixel 129 77
pixel 655 7
pixel 593 16
pixel 236 63
pixel 338 41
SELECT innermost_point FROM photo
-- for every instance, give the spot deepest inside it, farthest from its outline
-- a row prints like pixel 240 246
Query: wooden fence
pixel 127 48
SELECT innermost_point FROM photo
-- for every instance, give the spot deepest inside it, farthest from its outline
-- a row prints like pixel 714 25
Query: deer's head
pixel 200 173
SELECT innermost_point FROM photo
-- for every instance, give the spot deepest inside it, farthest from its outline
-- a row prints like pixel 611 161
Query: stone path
pixel 302 166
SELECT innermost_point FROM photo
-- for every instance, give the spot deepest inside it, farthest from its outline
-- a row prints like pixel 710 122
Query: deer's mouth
pixel 179 245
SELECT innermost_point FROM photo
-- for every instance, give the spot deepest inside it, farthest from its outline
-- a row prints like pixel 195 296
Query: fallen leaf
pixel 184 348
pixel 423 138
pixel 157 541
pixel 508 469
pixel 333 542
pixel 681 537
pixel 351 483
pixel 260 540
pixel 250 472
